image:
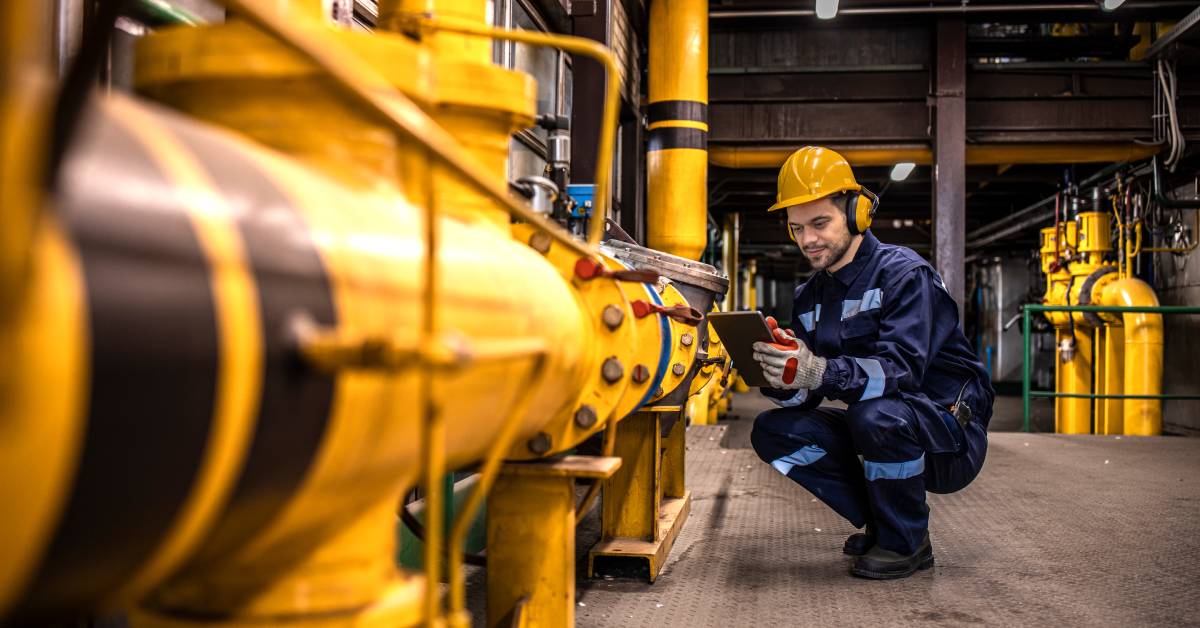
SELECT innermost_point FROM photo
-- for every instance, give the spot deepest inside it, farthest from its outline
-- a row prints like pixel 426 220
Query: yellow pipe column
pixel 1143 364
pixel 750 291
pixel 677 157
pixel 1110 378
pixel 1074 415
pixel 730 233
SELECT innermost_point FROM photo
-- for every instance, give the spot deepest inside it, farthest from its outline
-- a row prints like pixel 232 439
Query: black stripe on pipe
pixel 664 138
pixel 663 110
pixel 296 401
pixel 153 370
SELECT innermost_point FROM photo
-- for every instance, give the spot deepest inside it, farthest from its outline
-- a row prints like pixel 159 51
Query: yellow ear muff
pixel 864 211
pixel 864 204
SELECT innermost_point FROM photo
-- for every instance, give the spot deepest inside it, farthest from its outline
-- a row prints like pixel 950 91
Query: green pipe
pixel 1026 367
pixel 165 13
pixel 1051 393
pixel 1152 309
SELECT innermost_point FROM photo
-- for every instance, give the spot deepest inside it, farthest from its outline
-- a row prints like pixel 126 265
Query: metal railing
pixel 1027 312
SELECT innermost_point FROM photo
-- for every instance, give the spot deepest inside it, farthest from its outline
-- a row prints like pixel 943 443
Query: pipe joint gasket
pixel 1085 293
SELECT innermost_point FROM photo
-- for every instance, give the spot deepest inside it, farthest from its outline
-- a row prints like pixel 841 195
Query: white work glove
pixel 788 363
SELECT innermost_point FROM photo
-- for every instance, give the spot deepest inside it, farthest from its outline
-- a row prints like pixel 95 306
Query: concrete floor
pixel 1097 531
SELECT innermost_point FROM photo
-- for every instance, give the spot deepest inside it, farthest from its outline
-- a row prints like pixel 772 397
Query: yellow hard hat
pixel 812 173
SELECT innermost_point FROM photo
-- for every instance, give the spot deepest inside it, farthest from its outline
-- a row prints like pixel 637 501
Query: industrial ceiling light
pixel 901 170
pixel 827 9
pixel 1109 5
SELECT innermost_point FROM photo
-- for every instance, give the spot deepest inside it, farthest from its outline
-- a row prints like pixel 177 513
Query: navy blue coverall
pixel 898 359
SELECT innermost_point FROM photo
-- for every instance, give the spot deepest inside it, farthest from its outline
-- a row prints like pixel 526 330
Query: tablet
pixel 739 331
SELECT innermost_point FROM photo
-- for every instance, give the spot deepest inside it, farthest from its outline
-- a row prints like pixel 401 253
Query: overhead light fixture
pixel 1110 5
pixel 827 9
pixel 901 170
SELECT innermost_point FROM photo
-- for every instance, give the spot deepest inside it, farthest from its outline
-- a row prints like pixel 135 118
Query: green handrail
pixel 1026 331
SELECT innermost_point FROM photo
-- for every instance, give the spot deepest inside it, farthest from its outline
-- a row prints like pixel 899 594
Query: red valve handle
pixel 784 342
pixel 588 269
pixel 681 313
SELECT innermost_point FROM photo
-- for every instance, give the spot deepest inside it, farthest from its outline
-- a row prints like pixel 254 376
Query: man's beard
pixel 837 251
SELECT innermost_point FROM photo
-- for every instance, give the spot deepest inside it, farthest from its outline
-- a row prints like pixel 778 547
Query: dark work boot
pixel 859 543
pixel 881 564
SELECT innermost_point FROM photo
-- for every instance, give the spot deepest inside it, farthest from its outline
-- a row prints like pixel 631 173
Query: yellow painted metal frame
pixel 645 503
pixel 531 540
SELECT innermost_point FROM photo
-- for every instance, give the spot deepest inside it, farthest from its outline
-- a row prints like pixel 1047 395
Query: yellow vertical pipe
pixel 730 234
pixel 1076 413
pixel 1059 405
pixel 749 291
pixel 677 157
pixel 1109 419
pixel 1143 355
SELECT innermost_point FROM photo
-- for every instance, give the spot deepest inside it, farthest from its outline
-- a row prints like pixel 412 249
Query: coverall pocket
pixel 937 435
pixel 860 332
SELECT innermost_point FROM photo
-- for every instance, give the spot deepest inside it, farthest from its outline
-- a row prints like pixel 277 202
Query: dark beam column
pixel 632 192
pixel 590 20
pixel 949 156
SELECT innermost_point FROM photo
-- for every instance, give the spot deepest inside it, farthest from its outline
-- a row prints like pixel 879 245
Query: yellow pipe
pixel 676 161
pixel 757 157
pixel 750 291
pixel 1143 362
pixel 730 233
pixel 977 154
pixel 1110 376
pixel 1074 415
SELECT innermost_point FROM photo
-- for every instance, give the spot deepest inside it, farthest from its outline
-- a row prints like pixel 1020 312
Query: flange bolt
pixel 612 371
pixel 585 416
pixel 540 444
pixel 612 316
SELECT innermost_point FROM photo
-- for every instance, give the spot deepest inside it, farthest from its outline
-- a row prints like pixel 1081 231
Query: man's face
pixel 820 230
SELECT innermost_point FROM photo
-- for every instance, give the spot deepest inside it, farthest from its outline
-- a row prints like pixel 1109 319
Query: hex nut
pixel 612 370
pixel 540 444
pixel 612 316
pixel 686 340
pixel 658 392
pixel 640 374
pixel 585 416
pixel 540 241
pixel 678 369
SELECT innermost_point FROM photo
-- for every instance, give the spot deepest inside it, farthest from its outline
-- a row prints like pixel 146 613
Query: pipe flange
pixel 1085 293
pixel 680 269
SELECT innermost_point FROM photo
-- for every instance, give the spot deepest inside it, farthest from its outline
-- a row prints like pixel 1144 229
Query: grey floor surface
pixel 1057 530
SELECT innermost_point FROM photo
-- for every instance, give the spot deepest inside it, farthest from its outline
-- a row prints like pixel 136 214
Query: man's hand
pixel 787 363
